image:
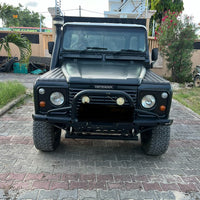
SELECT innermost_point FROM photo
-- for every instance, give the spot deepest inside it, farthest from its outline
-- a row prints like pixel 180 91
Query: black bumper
pixel 136 123
pixel 72 120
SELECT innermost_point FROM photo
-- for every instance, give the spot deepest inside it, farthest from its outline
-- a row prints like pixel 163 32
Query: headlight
pixel 57 98
pixel 148 101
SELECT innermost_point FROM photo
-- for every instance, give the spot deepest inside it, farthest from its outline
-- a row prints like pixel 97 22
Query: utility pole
pixel 79 11
pixel 147 2
pixel 58 7
pixel 40 23
pixel 153 29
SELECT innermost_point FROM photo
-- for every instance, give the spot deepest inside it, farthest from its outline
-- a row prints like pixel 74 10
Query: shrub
pixel 176 38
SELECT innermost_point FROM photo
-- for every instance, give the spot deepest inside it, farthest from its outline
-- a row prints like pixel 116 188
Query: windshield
pixel 104 38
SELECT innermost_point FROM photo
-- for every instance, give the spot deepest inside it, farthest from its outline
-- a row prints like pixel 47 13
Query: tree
pixel 22 43
pixel 19 16
pixel 176 38
pixel 161 6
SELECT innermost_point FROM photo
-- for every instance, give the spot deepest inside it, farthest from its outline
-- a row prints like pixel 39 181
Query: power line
pixel 70 9
pixel 77 9
pixel 93 12
pixel 43 12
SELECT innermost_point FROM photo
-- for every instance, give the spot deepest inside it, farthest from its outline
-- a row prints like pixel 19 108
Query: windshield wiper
pixel 92 49
pixel 96 48
pixel 128 51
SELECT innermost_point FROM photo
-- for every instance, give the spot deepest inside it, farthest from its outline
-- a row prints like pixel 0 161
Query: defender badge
pixel 103 86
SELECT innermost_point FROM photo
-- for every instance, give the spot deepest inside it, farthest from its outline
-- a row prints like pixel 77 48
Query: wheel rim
pixel 197 82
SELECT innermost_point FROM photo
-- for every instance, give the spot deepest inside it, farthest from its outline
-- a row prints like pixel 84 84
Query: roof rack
pixel 105 20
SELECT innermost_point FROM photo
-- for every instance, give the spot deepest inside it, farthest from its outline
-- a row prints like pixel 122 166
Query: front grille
pixel 103 108
pixel 102 100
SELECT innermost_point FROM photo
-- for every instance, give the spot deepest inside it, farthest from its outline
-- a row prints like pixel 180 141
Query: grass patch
pixel 189 97
pixel 10 90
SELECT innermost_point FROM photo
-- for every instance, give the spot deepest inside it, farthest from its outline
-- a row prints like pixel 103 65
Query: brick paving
pixel 96 170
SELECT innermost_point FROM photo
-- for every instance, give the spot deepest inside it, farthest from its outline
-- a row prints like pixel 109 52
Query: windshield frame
pixel 84 26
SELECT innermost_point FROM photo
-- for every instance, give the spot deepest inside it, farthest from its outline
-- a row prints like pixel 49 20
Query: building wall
pixel 114 4
pixel 39 48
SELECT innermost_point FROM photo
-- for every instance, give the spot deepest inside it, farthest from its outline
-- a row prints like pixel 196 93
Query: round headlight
pixel 57 98
pixel 148 101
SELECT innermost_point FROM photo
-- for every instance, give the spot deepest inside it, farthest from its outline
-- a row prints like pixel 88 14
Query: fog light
pixel 42 104
pixel 120 101
pixel 85 99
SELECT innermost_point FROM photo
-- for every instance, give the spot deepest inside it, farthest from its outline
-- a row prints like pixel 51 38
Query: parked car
pixel 197 76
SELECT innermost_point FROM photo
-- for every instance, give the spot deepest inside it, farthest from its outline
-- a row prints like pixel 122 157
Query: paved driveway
pixel 93 169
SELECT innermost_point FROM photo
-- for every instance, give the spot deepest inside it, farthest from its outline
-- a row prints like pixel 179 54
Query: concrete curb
pixel 12 104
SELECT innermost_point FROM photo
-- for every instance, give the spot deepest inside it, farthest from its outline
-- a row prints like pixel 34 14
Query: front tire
pixel 156 141
pixel 46 137
pixel 197 81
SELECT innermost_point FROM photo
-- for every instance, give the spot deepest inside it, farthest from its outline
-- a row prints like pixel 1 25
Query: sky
pixel 89 7
pixel 69 7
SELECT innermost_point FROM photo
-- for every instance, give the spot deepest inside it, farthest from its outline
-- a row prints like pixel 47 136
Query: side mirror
pixel 50 47
pixel 154 55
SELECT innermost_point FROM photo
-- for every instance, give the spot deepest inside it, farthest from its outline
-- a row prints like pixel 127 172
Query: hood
pixel 95 72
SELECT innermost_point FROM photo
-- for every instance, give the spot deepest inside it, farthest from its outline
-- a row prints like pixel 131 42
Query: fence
pixel 152 43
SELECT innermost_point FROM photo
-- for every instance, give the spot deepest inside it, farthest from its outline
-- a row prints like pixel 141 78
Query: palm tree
pixel 21 42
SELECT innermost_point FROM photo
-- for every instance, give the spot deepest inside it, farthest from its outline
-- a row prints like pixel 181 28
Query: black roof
pixel 105 20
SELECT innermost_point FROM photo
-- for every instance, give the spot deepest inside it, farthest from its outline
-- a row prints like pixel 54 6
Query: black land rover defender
pixel 100 86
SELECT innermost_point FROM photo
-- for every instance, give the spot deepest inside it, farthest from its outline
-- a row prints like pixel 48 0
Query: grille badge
pixel 103 86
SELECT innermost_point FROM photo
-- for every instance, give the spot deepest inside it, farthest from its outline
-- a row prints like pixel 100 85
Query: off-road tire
pixel 156 141
pixel 46 137
pixel 197 81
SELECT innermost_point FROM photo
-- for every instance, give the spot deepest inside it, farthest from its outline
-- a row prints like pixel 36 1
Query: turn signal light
pixel 162 108
pixel 42 104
